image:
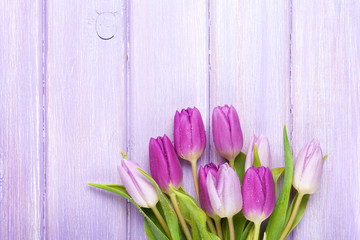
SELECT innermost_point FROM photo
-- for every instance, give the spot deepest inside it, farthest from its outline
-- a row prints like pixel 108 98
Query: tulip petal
pixel 253 195
pixel 158 161
pixel 231 190
pixel 203 192
pixel 263 147
pixel 174 167
pixel 236 133
pixel 213 195
pixel 269 186
pixel 198 135
pixel 222 134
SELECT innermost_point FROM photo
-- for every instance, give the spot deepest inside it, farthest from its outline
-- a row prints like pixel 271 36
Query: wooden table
pixel 82 80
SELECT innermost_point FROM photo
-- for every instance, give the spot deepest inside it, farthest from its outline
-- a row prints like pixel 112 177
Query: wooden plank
pixel 169 71
pixel 250 68
pixel 86 106
pixel 326 75
pixel 21 158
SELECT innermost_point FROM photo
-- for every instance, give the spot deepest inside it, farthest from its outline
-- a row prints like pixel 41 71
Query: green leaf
pixel 325 157
pixel 239 223
pixel 277 218
pixel 240 165
pixel 194 229
pixel 124 155
pixel 277 172
pixel 170 216
pixel 120 190
pixel 196 214
pixel 148 231
pixel 257 162
pixel 246 233
pixel 300 212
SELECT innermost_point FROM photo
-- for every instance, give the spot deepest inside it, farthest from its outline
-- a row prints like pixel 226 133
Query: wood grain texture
pixel 20 119
pixel 169 71
pixel 251 67
pixel 326 88
pixel 86 118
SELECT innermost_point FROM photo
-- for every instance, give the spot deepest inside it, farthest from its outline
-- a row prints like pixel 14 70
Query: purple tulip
pixel 189 134
pixel 258 193
pixel 224 191
pixel 164 164
pixel 141 190
pixel 308 168
pixel 203 191
pixel 263 149
pixel 227 134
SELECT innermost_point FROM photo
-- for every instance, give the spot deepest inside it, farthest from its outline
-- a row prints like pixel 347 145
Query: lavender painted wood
pixel 325 89
pixel 251 68
pixel 86 118
pixel 20 120
pixel 169 71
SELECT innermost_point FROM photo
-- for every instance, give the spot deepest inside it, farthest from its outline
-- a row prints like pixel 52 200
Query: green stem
pixel 180 216
pixel 218 228
pixel 211 225
pixel 161 221
pixel 194 172
pixel 231 228
pixel 232 163
pixel 292 217
pixel 257 231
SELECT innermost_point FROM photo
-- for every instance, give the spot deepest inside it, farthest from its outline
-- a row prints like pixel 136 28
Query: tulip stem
pixel 196 183
pixel 231 228
pixel 232 163
pixel 161 221
pixel 218 227
pixel 257 231
pixel 180 216
pixel 292 217
pixel 211 225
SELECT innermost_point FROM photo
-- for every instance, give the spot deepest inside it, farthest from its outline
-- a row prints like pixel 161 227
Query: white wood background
pixel 81 81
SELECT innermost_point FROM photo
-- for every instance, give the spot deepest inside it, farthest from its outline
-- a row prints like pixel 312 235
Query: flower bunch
pixel 233 198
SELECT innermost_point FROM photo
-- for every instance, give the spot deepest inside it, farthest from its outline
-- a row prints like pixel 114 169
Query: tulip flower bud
pixel 141 190
pixel 263 149
pixel 308 168
pixel 224 191
pixel 227 134
pixel 258 193
pixel 164 164
pixel 189 134
pixel 203 191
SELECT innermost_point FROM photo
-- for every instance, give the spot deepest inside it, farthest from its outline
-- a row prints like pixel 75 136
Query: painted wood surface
pixel 168 72
pixel 21 120
pixel 113 73
pixel 86 118
pixel 325 92
pixel 251 67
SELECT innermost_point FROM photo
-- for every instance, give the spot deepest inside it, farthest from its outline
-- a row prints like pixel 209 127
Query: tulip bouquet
pixel 234 198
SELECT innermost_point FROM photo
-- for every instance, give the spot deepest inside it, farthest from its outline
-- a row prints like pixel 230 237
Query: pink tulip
pixel 141 190
pixel 227 134
pixel 189 134
pixel 224 192
pixel 308 168
pixel 164 164
pixel 258 193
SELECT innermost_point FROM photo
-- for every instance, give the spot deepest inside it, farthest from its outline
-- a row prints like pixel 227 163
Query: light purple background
pixel 71 101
